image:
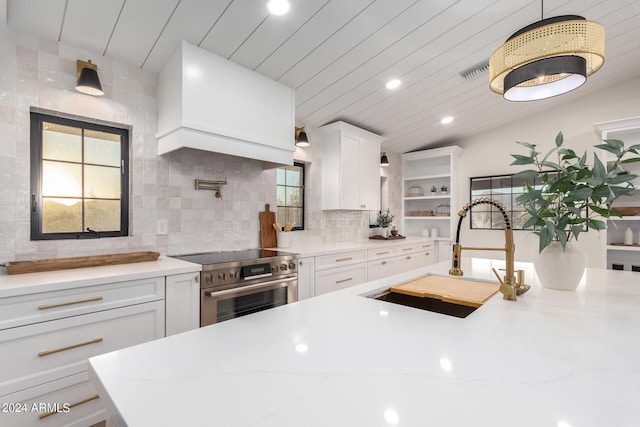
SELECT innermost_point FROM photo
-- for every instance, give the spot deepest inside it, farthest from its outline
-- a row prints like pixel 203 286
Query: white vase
pixel 560 269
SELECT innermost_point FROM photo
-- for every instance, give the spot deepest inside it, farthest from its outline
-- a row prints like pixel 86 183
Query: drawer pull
pixel 384 263
pixel 407 249
pixel 73 405
pixel 382 253
pixel 409 257
pixel 344 280
pixel 71 347
pixel 62 304
pixel 344 259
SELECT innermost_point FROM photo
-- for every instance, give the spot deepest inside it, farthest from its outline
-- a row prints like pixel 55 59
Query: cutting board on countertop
pixel 268 237
pixel 472 293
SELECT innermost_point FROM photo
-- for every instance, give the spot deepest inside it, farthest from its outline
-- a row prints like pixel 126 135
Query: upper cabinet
pixel 208 103
pixel 350 168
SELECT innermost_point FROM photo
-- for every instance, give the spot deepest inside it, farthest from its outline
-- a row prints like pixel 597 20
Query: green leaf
pixel 609 148
pixel 616 143
pixel 521 160
pixel 579 194
pixel 619 179
pixel 631 160
pixel 596 224
pixel 559 139
pixel 600 211
pixel 526 144
pixel 526 174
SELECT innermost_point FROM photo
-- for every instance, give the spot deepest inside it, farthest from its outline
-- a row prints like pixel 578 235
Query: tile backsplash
pixel 40 73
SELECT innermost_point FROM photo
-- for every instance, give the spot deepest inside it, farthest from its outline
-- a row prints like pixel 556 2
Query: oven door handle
pixel 263 285
pixel 259 276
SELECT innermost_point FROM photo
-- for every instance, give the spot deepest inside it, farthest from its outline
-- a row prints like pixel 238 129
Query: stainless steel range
pixel 234 284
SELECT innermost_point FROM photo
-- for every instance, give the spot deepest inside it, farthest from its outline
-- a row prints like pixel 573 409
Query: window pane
pixel 61 142
pixel 61 179
pixel 61 215
pixel 102 182
pixel 280 180
pixel 102 215
pixel 293 197
pixel 281 191
pixel 102 148
pixel 293 176
pixel 294 216
pixel 481 219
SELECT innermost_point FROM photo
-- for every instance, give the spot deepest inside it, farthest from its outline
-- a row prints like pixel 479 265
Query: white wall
pixel 489 154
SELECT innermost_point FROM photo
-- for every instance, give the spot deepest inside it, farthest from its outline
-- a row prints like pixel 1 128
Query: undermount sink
pixel 425 303
pixel 453 296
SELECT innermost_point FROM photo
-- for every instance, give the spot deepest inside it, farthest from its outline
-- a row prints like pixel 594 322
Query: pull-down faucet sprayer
pixel 509 286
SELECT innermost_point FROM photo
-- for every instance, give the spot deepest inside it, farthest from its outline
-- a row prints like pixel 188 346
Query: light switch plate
pixel 161 226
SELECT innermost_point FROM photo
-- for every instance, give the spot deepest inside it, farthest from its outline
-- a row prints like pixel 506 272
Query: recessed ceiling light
pixel 278 7
pixel 446 120
pixel 393 84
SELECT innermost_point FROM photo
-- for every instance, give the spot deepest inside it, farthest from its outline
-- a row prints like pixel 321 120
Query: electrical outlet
pixel 161 226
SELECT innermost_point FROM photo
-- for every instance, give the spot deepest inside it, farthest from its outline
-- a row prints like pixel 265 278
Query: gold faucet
pixel 509 286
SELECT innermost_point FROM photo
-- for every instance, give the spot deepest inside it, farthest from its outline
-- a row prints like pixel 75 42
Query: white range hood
pixel 206 102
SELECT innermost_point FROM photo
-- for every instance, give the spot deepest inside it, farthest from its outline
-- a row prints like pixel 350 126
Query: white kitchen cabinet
pixel 47 337
pixel 306 278
pixel 445 249
pixel 423 209
pixel 182 303
pixel 380 268
pixel 351 165
pixel 68 401
pixel 618 255
pixel 337 278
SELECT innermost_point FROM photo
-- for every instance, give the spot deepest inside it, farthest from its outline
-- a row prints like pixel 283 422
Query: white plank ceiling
pixel 338 54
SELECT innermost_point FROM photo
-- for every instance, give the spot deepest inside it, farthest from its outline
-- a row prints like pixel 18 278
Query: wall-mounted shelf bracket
pixel 203 184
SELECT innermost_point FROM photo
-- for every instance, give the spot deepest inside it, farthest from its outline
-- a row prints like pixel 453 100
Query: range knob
pixel 208 278
pixel 292 266
pixel 274 268
pixel 284 267
pixel 221 276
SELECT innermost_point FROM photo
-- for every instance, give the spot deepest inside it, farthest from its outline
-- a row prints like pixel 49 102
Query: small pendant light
pixel 384 160
pixel 88 81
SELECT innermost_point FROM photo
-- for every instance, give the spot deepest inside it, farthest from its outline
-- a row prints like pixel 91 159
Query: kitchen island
pixel 551 358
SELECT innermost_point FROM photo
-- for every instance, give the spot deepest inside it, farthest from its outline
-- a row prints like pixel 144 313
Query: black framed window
pixel 505 189
pixel 290 195
pixel 79 179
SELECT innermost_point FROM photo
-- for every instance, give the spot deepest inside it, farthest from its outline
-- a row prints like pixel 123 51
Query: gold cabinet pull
pixel 344 259
pixel 58 350
pixel 344 280
pixel 197 279
pixel 73 405
pixel 407 249
pixel 382 253
pixel 62 304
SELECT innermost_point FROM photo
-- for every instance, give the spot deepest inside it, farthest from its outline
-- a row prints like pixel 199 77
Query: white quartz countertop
pixel 306 248
pixel 552 358
pixel 23 284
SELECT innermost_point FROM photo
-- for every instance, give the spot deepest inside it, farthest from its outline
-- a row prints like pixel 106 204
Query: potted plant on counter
pixel 384 220
pixel 568 196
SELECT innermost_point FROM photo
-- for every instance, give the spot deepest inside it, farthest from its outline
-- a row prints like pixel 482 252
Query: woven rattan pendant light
pixel 547 58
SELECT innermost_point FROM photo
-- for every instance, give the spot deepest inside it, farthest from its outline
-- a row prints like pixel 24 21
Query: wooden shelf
pixel 424 177
pixel 429 217
pixel 448 197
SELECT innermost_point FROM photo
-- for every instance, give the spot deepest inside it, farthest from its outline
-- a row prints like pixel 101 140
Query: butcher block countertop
pixel 551 358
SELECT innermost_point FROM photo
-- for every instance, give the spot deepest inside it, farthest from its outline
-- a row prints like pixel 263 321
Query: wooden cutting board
pixel 54 264
pixel 472 293
pixel 268 237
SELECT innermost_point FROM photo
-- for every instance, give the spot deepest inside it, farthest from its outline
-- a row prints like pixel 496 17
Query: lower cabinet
pixel 46 341
pixel 380 268
pixel 337 278
pixel 69 401
pixel 182 303
pixel 306 278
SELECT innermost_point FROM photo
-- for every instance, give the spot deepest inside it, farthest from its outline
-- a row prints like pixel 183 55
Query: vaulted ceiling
pixel 338 54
